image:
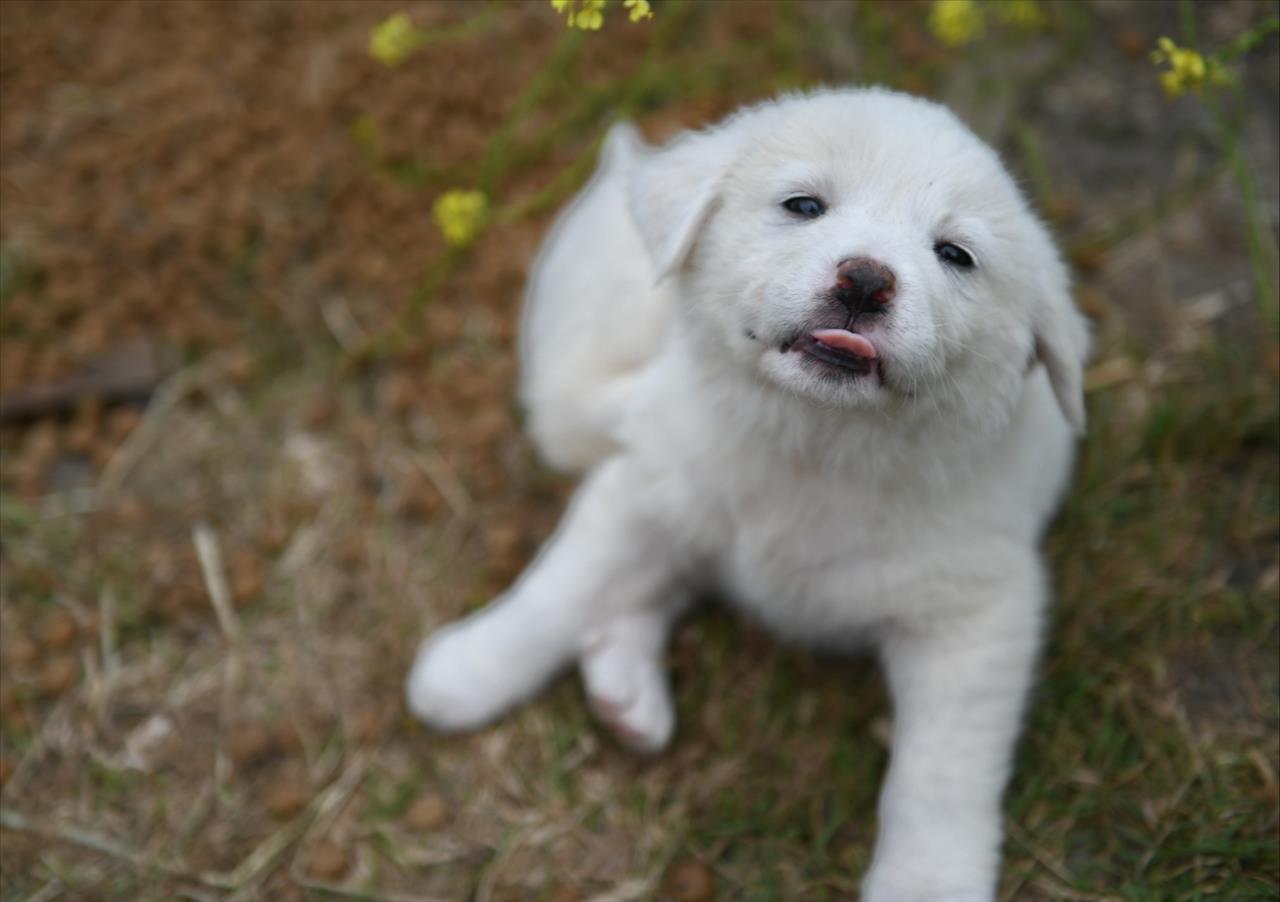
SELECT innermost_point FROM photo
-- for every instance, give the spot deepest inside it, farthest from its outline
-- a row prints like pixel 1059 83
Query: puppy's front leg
pixel 959 685
pixel 605 564
pixel 625 679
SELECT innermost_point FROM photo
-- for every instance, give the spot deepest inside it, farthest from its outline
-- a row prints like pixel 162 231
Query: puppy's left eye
pixel 804 206
pixel 953 254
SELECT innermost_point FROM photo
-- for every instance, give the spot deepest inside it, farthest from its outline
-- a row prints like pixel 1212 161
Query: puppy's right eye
pixel 804 206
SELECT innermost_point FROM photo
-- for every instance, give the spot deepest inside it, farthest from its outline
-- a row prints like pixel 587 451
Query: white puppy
pixel 809 359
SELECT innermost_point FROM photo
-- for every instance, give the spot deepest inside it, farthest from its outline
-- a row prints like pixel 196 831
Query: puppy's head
pixel 862 249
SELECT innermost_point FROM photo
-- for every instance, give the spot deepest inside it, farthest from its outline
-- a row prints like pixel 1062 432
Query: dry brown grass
pixel 222 718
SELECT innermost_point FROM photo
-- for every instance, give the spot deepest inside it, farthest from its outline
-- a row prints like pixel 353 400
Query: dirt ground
pixel 258 436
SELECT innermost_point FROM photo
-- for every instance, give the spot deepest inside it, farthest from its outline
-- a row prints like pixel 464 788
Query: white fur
pixel 903 513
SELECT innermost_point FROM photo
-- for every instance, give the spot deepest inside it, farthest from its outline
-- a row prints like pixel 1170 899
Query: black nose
pixel 864 285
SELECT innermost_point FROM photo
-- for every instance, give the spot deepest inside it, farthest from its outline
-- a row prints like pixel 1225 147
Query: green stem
pixel 1250 39
pixel 1037 168
pixel 1262 251
pixel 556 70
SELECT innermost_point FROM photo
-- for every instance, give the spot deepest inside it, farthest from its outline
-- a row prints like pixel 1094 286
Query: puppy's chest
pixel 810 556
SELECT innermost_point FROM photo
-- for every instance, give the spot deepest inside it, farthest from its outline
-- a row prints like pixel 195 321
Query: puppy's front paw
pixel 921 882
pixel 457 680
pixel 628 692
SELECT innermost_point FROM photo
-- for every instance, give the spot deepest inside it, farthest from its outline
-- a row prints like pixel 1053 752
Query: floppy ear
pixel 672 193
pixel 1062 345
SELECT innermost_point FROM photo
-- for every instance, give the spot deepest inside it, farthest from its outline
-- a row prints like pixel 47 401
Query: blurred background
pixel 260 270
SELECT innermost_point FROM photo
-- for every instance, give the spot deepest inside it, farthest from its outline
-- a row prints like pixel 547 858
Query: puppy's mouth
pixel 837 351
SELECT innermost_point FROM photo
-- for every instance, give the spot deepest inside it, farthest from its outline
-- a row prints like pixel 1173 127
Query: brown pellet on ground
pixel 58 631
pixel 689 881
pixel 20 653
pixel 430 812
pixel 58 675
pixel 249 743
pixel 328 861
pixel 247 579
pixel 284 800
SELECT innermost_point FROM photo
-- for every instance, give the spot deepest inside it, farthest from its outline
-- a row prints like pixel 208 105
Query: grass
pixel 1149 766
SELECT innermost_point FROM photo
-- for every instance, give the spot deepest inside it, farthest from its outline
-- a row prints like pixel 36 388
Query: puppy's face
pixel 863 249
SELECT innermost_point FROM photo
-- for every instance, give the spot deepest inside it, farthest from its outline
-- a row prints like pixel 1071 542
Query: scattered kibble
pixel 1092 303
pixel 350 550
pixel 249 743
pixel 286 738
pixel 1089 258
pixel 247 579
pixel 400 391
pixel 130 510
pixel 21 652
pixel 58 631
pixel 689 881
pixel 286 799
pixel 82 433
pixel 238 367
pixel 122 421
pixel 504 546
pixel 419 497
pixel 273 535
pixel 430 812
pixel 1064 209
pixel 319 412
pixel 1132 43
pixel 181 598
pixel 365 726
pixel 328 861
pixel 57 675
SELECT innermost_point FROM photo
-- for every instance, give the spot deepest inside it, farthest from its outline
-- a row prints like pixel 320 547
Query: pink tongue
pixel 849 342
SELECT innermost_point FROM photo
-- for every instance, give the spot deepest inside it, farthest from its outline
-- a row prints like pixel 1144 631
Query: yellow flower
pixel 1188 70
pixel 639 9
pixel 393 40
pixel 591 16
pixel 461 215
pixel 587 15
pixel 1021 13
pixel 955 22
